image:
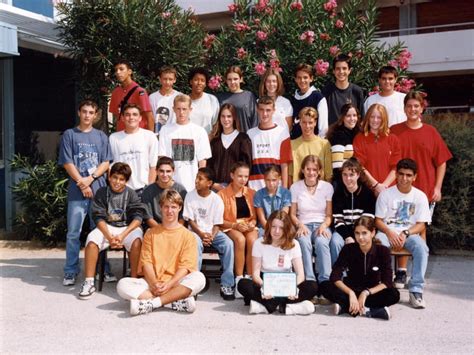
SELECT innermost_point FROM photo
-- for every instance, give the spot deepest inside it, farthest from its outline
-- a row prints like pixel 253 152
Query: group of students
pixel 256 180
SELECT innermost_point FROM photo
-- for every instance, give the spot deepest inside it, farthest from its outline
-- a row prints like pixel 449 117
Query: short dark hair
pixel 272 169
pixel 165 161
pixel 128 106
pixel 167 69
pixel 308 69
pixel 89 102
pixel 200 70
pixel 207 172
pixel 388 69
pixel 352 164
pixel 367 222
pixel 342 58
pixel 409 164
pixel 266 100
pixel 121 169
pixel 414 95
pixel 238 165
pixel 123 61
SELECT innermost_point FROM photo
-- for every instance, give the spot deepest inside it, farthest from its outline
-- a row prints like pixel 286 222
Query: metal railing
pixel 426 29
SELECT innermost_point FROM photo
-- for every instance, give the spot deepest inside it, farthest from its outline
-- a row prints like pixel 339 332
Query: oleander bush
pixel 453 218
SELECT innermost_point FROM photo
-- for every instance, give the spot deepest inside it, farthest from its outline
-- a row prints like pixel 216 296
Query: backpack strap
pixel 126 98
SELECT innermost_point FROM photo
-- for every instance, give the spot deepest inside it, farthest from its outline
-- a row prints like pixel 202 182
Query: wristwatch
pixel 406 232
pixel 94 176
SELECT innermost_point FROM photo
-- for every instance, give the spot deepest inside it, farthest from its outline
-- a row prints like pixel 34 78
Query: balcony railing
pixel 426 29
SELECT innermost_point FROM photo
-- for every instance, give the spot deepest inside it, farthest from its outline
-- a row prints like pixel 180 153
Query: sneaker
pixel 187 305
pixel 301 308
pixel 138 307
pixel 87 290
pixel 336 309
pixel 108 277
pixel 236 291
pixel 416 300
pixel 323 301
pixel 257 308
pixel 227 293
pixel 69 279
pixel 400 279
pixel 381 313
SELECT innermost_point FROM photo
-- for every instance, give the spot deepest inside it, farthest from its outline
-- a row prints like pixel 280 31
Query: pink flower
pixel 272 53
pixel 333 51
pixel 393 62
pixel 208 40
pixel 165 14
pixel 233 8
pixel 275 64
pixel 321 67
pixel 296 6
pixel 261 35
pixel 330 5
pixel 241 53
pixel 324 36
pixel 405 85
pixel 374 91
pixel 260 68
pixel 339 24
pixel 307 36
pixel 402 61
pixel 241 27
pixel 215 82
pixel 256 21
pixel 261 5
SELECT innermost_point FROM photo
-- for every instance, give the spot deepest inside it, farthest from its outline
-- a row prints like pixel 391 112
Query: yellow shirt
pixel 168 250
pixel 317 146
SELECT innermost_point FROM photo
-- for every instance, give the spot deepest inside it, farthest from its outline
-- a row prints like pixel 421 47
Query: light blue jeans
pixel 318 245
pixel 76 214
pixel 337 243
pixel 416 245
pixel 225 247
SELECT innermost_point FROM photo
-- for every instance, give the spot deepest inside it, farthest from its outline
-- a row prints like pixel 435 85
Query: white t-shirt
pixel 186 145
pixel 205 211
pixel 205 111
pixel 162 108
pixel 275 259
pixel 283 109
pixel 393 103
pixel 311 208
pixel 227 139
pixel 400 211
pixel 139 150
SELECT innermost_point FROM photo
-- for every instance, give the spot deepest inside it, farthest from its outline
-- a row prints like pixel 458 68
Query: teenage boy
pixel 152 193
pixel 168 261
pixel 351 200
pixel 117 212
pixel 85 154
pixel 161 101
pixel 401 213
pixel 129 92
pixel 204 211
pixel 184 142
pixel 307 96
pixel 137 147
pixel 422 143
pixel 270 145
pixel 341 91
pixel 388 97
pixel 309 143
pixel 205 106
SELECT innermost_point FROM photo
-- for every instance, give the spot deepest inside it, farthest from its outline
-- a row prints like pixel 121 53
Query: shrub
pixel 43 196
pixel 452 223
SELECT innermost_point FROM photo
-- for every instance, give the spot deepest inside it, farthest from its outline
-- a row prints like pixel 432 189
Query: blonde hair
pixel 182 98
pixel 308 111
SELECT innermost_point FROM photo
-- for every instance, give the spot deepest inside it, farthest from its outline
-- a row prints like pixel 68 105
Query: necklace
pixel 310 186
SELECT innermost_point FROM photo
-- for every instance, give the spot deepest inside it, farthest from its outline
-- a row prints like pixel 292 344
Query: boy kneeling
pixel 168 260
pixel 118 212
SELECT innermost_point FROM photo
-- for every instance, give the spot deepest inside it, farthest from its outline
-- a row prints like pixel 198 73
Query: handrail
pixel 415 29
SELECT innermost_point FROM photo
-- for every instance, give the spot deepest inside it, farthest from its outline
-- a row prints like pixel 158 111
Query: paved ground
pixel 40 315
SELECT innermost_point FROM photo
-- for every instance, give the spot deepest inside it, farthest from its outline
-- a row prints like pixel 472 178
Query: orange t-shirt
pixel 168 250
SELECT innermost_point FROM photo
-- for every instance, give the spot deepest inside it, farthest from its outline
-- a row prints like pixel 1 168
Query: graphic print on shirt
pixel 87 158
pixel 161 117
pixel 182 149
pixel 115 214
pixel 403 211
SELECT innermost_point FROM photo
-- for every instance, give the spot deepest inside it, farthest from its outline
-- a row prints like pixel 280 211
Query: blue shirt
pixel 281 199
pixel 86 150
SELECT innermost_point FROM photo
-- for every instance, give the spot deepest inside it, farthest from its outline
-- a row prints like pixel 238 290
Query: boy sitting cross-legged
pixel 117 212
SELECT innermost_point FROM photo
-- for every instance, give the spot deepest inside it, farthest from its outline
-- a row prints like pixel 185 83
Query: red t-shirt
pixel 379 155
pixel 427 148
pixel 139 97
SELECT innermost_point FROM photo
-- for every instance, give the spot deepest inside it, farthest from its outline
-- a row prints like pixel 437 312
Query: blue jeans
pixel 313 244
pixel 416 245
pixel 225 247
pixel 337 243
pixel 76 214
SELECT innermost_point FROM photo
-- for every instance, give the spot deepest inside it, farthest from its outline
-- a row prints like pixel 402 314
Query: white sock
pixel 402 269
pixel 156 302
pixel 89 280
pixel 304 307
pixel 256 308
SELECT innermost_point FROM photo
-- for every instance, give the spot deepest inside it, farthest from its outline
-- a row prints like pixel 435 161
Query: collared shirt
pixel 276 202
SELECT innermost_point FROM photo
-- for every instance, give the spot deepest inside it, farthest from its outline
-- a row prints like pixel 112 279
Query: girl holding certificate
pixel 368 288
pixel 278 255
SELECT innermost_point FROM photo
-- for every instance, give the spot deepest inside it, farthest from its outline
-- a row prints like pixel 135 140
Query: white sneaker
pixel 69 279
pixel 87 290
pixel 336 309
pixel 257 308
pixel 138 307
pixel 187 305
pixel 302 308
pixel 416 300
pixel 237 293
pixel 108 277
